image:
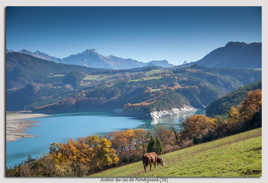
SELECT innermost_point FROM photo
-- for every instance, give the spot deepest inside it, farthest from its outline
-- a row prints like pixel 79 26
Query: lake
pixel 60 128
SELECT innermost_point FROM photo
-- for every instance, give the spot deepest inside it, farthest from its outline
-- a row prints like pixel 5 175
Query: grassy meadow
pixel 234 156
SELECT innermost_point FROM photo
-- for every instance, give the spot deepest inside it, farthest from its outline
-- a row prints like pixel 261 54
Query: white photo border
pixel 5 3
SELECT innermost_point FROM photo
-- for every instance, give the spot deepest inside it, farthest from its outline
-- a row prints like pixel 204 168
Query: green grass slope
pixel 234 156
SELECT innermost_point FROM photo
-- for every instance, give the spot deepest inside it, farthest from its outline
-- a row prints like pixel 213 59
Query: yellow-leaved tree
pixel 248 114
pixel 251 105
pixel 197 125
pixel 83 156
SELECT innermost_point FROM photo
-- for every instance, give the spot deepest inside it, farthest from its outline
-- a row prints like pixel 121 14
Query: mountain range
pixel 232 55
pixel 92 59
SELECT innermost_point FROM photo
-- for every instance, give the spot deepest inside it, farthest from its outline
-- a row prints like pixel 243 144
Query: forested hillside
pixel 50 87
pixel 223 105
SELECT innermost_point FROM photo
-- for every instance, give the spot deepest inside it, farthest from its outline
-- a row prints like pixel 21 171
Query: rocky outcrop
pixel 182 112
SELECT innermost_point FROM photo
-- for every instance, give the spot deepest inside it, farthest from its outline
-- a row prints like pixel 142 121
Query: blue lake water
pixel 60 128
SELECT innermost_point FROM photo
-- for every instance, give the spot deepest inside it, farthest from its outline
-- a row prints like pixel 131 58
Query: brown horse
pixel 151 158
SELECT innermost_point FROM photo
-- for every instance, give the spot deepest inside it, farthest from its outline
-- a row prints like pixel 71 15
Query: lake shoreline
pixel 60 128
pixel 17 123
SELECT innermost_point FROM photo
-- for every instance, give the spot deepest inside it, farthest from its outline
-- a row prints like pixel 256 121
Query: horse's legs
pixel 144 168
pixel 150 166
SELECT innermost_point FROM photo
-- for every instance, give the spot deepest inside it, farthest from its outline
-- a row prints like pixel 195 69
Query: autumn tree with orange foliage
pixel 248 114
pixel 197 125
pixel 84 155
pixel 130 144
pixel 251 105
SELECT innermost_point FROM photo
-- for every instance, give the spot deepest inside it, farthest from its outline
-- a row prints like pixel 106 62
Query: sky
pixel 176 34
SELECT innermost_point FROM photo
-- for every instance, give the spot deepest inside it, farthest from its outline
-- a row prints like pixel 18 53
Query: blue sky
pixel 145 33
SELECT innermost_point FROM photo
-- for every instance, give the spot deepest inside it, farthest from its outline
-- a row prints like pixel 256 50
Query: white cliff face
pixel 180 113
